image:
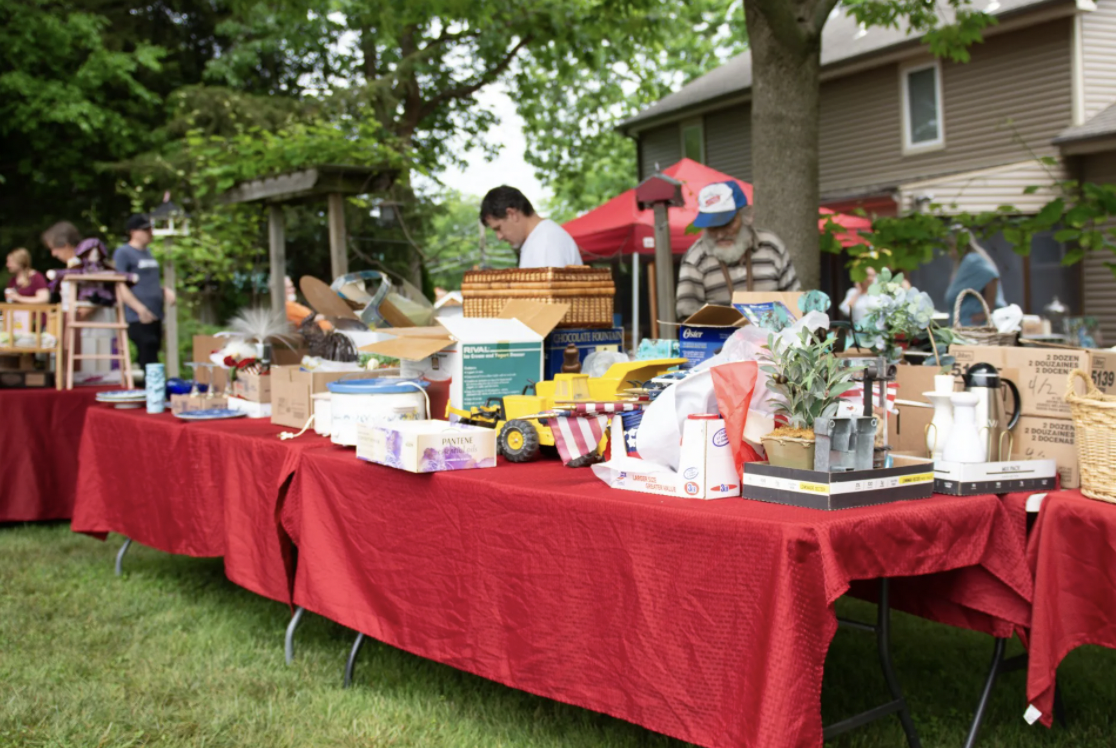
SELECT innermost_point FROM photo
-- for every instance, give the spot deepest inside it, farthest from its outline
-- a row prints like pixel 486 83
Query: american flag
pixel 578 432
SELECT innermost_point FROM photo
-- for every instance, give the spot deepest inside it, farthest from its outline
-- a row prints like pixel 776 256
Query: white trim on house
pixel 938 143
pixel 689 124
pixel 1077 78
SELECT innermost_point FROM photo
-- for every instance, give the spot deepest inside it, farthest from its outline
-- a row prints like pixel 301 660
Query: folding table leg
pixel 883 643
pixel 986 695
pixel 898 703
pixel 352 661
pixel 120 557
pixel 288 640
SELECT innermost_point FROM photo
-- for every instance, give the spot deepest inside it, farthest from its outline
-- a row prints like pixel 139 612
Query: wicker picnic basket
pixel 588 291
pixel 1094 423
pixel 986 334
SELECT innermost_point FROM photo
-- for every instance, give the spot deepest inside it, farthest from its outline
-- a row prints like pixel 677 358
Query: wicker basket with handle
pixel 1094 424
pixel 986 334
pixel 588 291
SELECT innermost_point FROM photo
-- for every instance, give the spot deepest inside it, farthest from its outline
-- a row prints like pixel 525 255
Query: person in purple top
pixel 27 285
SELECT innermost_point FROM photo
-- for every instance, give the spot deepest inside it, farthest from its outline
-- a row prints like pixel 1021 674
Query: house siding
pixel 728 141
pixel 987 190
pixel 1098 57
pixel 662 146
pixel 1099 285
pixel 1008 102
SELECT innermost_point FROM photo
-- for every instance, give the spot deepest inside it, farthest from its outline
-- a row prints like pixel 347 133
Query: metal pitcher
pixel 985 382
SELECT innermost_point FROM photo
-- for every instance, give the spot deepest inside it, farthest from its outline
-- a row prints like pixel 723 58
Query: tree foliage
pixel 573 96
pixel 1080 215
pixel 786 61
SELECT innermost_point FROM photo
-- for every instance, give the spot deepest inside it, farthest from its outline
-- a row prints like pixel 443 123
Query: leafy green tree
pixel 572 100
pixel 84 84
pixel 785 38
pixel 1080 215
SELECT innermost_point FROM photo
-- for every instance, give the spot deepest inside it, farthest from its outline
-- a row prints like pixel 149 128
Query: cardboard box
pixel 291 388
pixel 906 428
pixel 789 299
pixel 911 478
pixel 703 334
pixel 1102 370
pixel 1042 373
pixel 587 341
pixel 427 446
pixel 17 362
pixel 253 409
pixel 189 403
pixel 205 345
pixel 1049 439
pixel 706 469
pixel 1009 476
pixel 469 360
pixel 253 387
pixel 26 379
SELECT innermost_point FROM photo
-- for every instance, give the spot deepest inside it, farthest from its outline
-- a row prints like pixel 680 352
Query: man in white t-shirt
pixel 541 242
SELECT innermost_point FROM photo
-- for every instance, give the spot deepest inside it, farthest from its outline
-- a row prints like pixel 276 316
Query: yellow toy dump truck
pixel 517 418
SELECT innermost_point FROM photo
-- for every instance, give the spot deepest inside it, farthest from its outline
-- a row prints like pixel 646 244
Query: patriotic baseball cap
pixel 718 204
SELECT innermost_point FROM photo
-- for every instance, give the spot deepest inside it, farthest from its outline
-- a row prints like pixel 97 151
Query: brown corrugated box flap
pixel 542 318
pixel 417 343
pixel 412 343
pixel 789 298
pixel 715 315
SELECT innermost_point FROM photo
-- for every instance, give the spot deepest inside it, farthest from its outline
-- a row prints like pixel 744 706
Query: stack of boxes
pixel 1045 429
pixel 1042 375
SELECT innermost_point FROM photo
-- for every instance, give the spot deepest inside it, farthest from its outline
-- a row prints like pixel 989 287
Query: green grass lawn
pixel 174 654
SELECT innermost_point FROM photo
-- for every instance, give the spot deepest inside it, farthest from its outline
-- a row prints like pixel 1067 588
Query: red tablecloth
pixel 206 488
pixel 39 439
pixel 707 621
pixel 1072 554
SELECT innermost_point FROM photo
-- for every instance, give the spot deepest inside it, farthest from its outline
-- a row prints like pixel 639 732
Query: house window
pixel 693 141
pixel 923 128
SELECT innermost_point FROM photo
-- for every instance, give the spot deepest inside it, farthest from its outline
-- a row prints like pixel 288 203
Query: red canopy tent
pixel 619 227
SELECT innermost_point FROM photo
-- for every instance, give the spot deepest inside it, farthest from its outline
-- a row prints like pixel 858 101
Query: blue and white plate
pixel 121 396
pixel 212 414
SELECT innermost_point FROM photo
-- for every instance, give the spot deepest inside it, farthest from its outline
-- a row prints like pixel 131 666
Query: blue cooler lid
pixel 376 386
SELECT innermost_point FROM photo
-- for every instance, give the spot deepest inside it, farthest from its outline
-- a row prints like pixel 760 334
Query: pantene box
pixel 426 446
pixel 1042 374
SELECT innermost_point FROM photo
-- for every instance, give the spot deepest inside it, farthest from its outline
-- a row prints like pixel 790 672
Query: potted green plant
pixel 897 314
pixel 810 380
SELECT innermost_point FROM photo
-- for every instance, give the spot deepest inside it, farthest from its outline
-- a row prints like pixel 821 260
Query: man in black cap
pixel 144 301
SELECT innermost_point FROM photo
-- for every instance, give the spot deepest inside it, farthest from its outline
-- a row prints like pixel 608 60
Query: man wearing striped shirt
pixel 731 254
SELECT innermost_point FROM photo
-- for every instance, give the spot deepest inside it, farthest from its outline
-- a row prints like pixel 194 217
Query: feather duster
pixel 259 325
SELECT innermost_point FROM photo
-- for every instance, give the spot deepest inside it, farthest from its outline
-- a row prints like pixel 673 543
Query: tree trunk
pixel 786 58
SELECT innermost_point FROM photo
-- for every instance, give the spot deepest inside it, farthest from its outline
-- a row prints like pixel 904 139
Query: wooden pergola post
pixel 332 182
pixel 277 241
pixel 338 254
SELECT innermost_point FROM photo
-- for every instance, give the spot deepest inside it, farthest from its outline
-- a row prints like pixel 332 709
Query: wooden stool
pixel 124 353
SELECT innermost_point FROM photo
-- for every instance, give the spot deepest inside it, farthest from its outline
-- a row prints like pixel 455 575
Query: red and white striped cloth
pixel 620 406
pixel 579 432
